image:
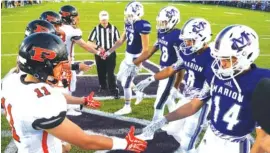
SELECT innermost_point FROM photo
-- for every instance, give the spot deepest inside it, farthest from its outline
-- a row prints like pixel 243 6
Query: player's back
pixel 195 66
pixel 231 111
pixel 70 34
pixel 168 44
pixel 30 108
pixel 133 34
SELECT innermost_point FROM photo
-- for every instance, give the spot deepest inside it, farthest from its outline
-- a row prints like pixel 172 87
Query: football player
pixel 136 33
pixel 230 82
pixel 168 42
pixel 37 114
pixel 194 57
pixel 73 35
pixel 55 19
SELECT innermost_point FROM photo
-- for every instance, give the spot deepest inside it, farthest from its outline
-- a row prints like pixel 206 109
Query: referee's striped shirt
pixel 104 37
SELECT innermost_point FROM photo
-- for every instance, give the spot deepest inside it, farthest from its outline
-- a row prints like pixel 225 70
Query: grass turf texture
pixel 14 22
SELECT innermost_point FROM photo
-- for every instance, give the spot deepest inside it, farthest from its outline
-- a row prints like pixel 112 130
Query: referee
pixel 104 35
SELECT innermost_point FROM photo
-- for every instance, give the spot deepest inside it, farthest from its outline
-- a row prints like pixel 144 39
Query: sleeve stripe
pixel 92 35
pixel 113 32
pixel 117 34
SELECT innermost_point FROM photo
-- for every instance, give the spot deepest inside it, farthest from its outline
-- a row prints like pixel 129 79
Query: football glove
pixel 144 83
pixel 132 70
pixel 90 102
pixel 148 131
pixel 133 143
pixel 175 93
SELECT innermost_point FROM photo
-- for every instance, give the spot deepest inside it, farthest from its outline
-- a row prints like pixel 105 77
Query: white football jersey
pixel 71 34
pixel 30 108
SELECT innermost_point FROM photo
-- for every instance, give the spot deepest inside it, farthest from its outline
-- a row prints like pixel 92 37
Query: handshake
pixel 102 53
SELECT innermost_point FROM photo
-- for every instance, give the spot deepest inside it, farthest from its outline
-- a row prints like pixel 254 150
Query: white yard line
pixel 206 8
pixel 177 4
pixel 267 20
pixel 117 117
pixel 233 13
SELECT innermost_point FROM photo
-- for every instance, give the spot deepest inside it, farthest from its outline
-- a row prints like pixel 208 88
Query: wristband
pixel 75 66
pixel 85 100
pixel 119 144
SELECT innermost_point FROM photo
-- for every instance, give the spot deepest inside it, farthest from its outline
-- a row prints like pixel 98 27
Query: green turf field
pixel 15 20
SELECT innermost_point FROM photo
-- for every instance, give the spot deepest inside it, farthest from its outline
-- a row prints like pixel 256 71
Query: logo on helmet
pixel 41 54
pixel 171 13
pixel 136 8
pixel 50 18
pixel 198 27
pixel 41 29
pixel 239 43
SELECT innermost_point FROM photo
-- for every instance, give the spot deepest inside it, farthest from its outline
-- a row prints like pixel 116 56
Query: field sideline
pixel 15 20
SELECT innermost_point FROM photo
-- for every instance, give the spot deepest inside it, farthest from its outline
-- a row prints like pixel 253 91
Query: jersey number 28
pixel 165 55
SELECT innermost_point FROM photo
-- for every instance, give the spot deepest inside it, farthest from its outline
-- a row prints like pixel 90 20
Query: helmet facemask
pixel 238 64
pixel 61 75
pixel 187 46
pixel 164 26
pixel 129 18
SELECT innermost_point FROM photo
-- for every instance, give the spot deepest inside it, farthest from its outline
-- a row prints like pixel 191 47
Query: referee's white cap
pixel 103 15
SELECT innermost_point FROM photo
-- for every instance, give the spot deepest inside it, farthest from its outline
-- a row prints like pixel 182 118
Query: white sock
pixel 158 113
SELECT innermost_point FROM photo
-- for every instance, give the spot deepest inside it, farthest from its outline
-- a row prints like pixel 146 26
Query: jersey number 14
pixel 230 117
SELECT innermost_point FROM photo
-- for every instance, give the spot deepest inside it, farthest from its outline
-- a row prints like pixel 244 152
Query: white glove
pixel 175 93
pixel 148 131
pixel 144 83
pixel 132 70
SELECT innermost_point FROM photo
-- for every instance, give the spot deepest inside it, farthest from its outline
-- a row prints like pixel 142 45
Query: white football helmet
pixel 198 31
pixel 133 12
pixel 237 41
pixel 168 17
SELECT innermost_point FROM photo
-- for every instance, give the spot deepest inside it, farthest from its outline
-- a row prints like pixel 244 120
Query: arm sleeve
pixel 145 28
pixel 179 64
pixel 77 34
pixel 205 93
pixel 92 35
pixel 156 44
pixel 116 34
pixel 50 111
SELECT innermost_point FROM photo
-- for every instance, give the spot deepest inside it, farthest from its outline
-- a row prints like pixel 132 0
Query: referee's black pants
pixel 105 68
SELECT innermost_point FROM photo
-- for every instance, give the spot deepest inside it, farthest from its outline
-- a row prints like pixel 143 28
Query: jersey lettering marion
pixel 133 34
pixel 31 108
pixel 71 34
pixel 230 113
pixel 168 43
pixel 195 66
